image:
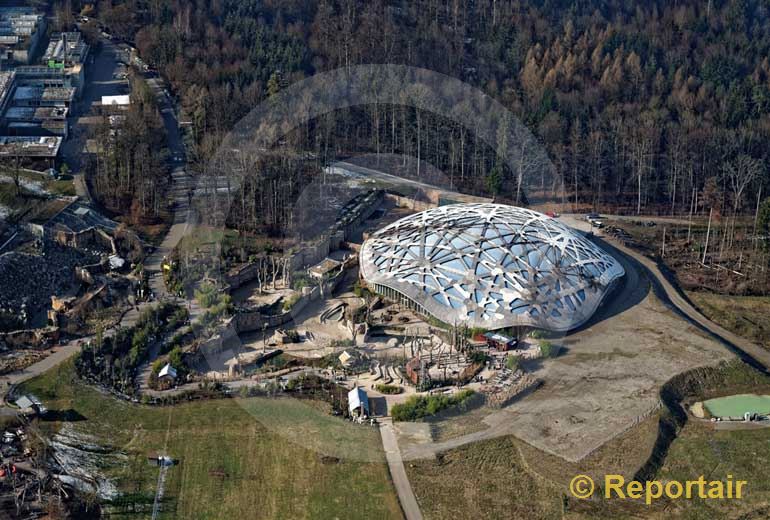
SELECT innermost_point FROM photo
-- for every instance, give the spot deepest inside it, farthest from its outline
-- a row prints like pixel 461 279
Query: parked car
pixel 596 223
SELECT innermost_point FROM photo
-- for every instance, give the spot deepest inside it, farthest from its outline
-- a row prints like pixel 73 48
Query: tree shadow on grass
pixel 68 415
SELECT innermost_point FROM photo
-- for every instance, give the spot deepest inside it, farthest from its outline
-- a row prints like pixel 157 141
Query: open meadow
pixel 235 460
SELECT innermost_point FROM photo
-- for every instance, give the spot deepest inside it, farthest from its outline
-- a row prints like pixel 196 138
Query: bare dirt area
pixel 608 380
pixel 605 381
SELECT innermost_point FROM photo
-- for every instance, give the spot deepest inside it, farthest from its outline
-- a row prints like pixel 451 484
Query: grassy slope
pixel 715 454
pixel 234 464
pixel 511 479
pixel 746 316
pixel 488 479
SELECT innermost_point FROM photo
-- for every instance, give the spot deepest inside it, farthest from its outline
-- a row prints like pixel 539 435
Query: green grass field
pixel 698 450
pixel 737 405
pixel 255 458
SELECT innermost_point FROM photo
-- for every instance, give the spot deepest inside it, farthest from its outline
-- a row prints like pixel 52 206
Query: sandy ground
pixel 605 381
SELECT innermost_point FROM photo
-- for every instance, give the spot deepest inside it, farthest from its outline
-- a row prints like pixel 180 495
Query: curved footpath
pixel 749 351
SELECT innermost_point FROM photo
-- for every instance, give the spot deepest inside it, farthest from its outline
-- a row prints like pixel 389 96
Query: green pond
pixel 737 405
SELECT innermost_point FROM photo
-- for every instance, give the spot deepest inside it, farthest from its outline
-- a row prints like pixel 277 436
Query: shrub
pixel 157 365
pixel 361 291
pixel 206 295
pixel 300 280
pixel 290 302
pixel 548 349
pixel 388 389
pixel 341 343
pixel 420 406
pixel 512 363
pixel 477 357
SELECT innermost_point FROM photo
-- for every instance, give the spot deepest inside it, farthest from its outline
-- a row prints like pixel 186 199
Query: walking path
pixel 397 472
pixel 181 183
pixel 739 345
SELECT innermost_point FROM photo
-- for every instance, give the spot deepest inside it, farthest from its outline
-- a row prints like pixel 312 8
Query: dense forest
pixel 648 107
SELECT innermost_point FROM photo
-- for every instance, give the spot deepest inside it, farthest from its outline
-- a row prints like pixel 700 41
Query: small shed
pixel 500 342
pixel 30 405
pixel 325 269
pixel 348 358
pixel 358 402
pixel 167 373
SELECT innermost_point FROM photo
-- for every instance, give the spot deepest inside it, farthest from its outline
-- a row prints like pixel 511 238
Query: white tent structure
pixel 168 372
pixel 358 401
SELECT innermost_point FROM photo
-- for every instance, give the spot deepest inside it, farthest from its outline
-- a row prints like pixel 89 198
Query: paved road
pixel 81 188
pixel 62 353
pixel 397 471
pixel 395 180
pixel 100 81
pixel 181 186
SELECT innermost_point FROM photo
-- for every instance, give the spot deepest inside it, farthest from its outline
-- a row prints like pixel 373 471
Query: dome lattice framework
pixel 490 266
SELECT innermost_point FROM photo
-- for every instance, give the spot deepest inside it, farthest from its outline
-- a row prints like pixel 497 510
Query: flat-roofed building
pixel 30 146
pixel 21 31
pixel 38 96
pixel 66 49
pixel 36 121
pixel 44 76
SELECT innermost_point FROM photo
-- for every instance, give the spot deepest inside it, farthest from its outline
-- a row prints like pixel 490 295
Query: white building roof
pixel 28 401
pixel 491 266
pixel 167 371
pixel 123 100
pixel 24 402
pixel 357 398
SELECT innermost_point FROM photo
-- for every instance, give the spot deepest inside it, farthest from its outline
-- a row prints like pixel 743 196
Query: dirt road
pixel 747 350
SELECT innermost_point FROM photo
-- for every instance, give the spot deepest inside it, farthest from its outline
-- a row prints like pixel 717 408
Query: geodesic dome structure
pixel 490 266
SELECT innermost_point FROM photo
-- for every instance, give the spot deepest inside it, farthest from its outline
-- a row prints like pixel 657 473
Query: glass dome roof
pixel 491 266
